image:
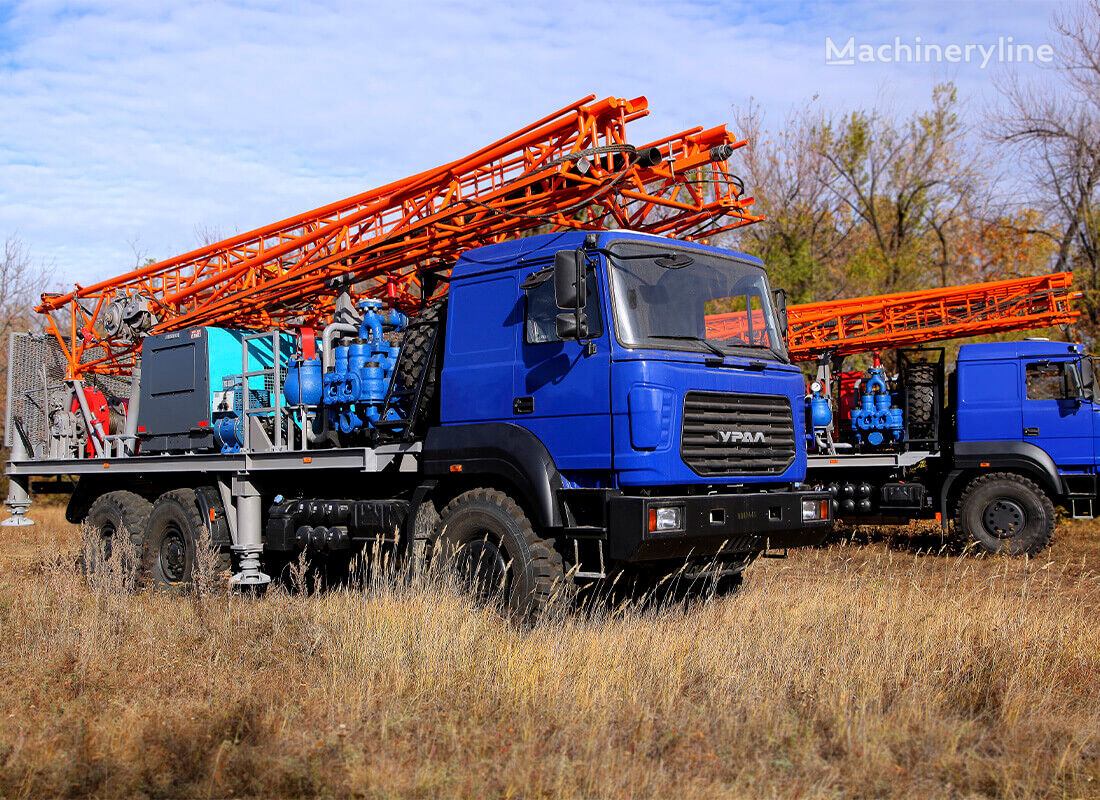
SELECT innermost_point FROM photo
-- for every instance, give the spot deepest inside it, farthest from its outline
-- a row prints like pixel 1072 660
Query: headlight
pixel 666 518
pixel 814 509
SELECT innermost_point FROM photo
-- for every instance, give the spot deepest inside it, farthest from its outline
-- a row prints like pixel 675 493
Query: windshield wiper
pixel 767 347
pixel 707 342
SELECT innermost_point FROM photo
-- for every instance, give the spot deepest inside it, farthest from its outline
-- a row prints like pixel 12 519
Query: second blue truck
pixel 991 447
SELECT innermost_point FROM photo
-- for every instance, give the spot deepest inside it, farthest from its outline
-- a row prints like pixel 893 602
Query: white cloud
pixel 126 120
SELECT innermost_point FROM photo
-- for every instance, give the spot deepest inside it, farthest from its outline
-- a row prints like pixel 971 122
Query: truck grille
pixel 737 434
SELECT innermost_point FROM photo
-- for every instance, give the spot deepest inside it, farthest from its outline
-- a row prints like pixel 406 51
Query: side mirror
pixel 1072 385
pixel 1088 379
pixel 572 325
pixel 780 296
pixel 569 279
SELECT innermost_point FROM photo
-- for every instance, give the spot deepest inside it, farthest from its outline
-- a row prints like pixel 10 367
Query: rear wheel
pixel 1006 513
pixel 488 540
pixel 170 546
pixel 115 518
pixel 920 400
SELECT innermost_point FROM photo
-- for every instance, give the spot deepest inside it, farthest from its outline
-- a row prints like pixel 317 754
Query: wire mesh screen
pixel 36 386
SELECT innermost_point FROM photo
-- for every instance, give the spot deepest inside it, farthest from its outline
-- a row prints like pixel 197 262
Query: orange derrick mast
pixel 846 327
pixel 571 169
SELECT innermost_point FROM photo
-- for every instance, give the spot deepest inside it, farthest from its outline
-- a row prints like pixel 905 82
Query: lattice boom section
pixel 845 327
pixel 574 168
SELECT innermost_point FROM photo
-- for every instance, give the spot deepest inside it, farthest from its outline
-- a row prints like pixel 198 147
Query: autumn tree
pixel 807 236
pixel 869 202
pixel 908 182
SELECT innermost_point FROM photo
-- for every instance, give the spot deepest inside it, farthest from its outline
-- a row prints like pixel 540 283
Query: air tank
pixel 303 384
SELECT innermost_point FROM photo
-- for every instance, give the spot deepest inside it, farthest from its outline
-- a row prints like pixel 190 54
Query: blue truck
pixel 559 416
pixel 992 447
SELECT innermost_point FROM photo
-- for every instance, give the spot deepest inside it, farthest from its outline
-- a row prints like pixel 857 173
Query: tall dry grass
pixel 853 671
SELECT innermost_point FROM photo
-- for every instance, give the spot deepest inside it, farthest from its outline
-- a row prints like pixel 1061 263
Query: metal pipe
pixel 327 355
pixel 19 496
pixel 130 433
pixel 326 341
pixel 249 545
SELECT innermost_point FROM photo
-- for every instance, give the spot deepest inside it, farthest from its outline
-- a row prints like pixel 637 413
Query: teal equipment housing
pixel 190 384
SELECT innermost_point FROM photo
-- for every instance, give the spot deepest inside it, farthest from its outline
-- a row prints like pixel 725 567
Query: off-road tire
pixel 1007 514
pixel 416 354
pixel 172 534
pixel 425 530
pixel 920 399
pixel 486 524
pixel 110 516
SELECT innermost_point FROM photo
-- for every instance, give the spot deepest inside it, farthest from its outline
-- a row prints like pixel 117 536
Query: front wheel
pixel 488 540
pixel 1006 514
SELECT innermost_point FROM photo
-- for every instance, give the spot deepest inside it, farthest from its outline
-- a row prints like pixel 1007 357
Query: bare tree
pixel 866 201
pixel 1055 126
pixel 209 234
pixel 21 282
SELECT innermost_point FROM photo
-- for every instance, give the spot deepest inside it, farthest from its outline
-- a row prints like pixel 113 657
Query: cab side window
pixel 1051 381
pixel 542 311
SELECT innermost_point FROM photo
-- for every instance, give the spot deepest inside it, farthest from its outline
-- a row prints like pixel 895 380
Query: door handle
pixel 1031 431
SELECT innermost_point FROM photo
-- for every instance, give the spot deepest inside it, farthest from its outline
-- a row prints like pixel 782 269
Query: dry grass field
pixel 860 670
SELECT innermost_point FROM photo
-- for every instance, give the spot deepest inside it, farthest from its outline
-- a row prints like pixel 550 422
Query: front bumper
pixel 713 524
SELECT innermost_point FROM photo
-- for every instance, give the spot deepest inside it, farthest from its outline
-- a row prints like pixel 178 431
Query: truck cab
pixel 658 417
pixel 1032 401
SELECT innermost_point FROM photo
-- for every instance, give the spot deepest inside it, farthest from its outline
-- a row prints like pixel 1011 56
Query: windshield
pixel 689 299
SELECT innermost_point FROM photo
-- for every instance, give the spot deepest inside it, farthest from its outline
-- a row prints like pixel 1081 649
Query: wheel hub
pixel 483 567
pixel 107 540
pixel 1003 517
pixel 173 555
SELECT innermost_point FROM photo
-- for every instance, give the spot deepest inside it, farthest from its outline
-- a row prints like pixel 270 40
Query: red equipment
pixel 571 169
pixel 101 414
pixel 849 383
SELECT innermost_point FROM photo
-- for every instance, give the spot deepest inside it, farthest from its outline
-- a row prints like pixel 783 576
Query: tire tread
pixel 1038 543
pixel 546 566
pixel 187 499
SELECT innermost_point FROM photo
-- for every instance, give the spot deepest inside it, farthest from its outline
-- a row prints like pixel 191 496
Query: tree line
pixel 868 201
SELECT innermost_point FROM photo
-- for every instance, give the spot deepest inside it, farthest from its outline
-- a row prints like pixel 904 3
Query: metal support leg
pixel 19 496
pixel 249 544
pixel 132 407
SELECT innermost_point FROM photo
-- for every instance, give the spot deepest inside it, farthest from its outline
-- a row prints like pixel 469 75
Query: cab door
pixel 562 387
pixel 1056 415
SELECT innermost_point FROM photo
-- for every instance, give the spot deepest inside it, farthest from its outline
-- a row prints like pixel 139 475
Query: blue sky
pixel 131 124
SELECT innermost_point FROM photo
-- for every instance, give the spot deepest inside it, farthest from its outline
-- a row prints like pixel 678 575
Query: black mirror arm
pixel 780 297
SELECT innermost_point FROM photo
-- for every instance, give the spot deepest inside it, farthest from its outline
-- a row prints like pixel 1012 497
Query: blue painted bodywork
pixel 609 418
pixel 993 403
